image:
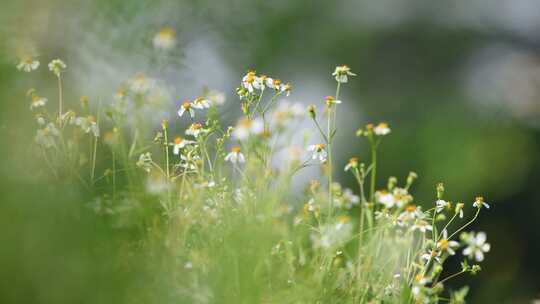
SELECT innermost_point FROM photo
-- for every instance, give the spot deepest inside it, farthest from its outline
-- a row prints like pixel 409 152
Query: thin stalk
pixel 60 100
pixel 467 224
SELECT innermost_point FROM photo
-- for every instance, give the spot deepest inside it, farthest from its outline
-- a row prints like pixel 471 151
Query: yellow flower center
pixel 178 140
pixel 411 208
pixel 196 126
pixel 186 105
pixel 235 149
pixel 443 244
pixel 319 147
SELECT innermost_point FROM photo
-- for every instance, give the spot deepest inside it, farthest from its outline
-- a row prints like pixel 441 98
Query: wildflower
pixel 45 136
pixel 459 209
pixel 40 120
pixel 267 81
pixel 330 100
pixel 447 245
pixel 348 199
pixel 440 205
pixel 187 106
pixel 411 212
pixel 180 143
pixel 235 156
pixel 381 129
pixel 250 81
pixel 421 225
pixel 140 84
pixel 385 198
pixel 145 161
pixel 201 103
pixel 87 124
pixel 352 164
pixel 247 127
pixel 431 255
pixel 479 203
pixel 57 66
pixel 286 88
pixel 37 101
pixel 216 97
pixel 310 206
pixel 189 162
pixel 341 73
pixel 476 246
pixel 401 197
pixel 195 129
pixel 28 64
pixel 319 152
pixel 419 282
pixel 165 39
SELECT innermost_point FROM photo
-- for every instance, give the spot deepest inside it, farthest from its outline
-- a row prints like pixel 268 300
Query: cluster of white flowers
pixel 251 82
pixel 247 127
pixel 57 66
pixel 88 124
pixel 46 136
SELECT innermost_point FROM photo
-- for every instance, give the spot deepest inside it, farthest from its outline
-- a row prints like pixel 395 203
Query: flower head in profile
pixel 27 64
pixel 195 129
pixel 36 100
pixel 88 124
pixel 476 245
pixel 330 101
pixel 479 203
pixel 286 88
pixel 386 198
pixel 57 66
pixel 201 103
pixel 165 38
pixel 381 129
pixel 411 212
pixel 46 136
pixel 180 143
pixel 342 73
pixel 352 164
pixel 446 245
pixel 235 156
pixel 186 107
pixel 441 205
pixel 459 209
pixel 318 152
pixel 422 226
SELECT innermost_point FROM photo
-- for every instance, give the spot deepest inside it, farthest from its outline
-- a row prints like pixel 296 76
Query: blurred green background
pixel 458 82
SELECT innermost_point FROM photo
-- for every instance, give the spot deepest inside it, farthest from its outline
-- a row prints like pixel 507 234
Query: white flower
pixel 216 97
pixel 431 255
pixel 251 82
pixel 459 209
pixel 235 156
pixel 319 152
pixel 411 212
pixel 145 161
pixel 353 163
pixel 189 161
pixel 286 88
pixel 447 245
pixel 330 101
pixel 385 198
pixel 267 81
pixel 87 124
pixel 27 64
pixel 180 143
pixel 247 127
pixel 37 102
pixel 195 129
pixel 57 66
pixel 479 203
pixel 201 103
pixel 350 198
pixel 440 205
pixel 45 137
pixel 476 246
pixel 421 225
pixel 341 73
pixel 140 84
pixel 402 197
pixel 187 106
pixel 382 129
pixel 165 39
